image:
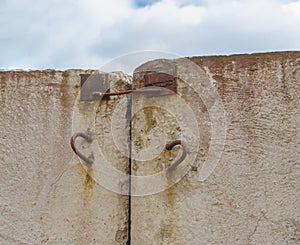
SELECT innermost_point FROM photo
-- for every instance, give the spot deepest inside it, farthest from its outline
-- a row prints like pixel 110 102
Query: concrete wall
pixel 46 194
pixel 251 197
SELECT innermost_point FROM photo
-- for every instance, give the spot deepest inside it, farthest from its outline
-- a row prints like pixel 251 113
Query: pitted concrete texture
pixel 46 195
pixel 252 197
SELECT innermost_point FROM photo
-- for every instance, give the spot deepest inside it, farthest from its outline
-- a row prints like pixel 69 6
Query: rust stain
pixel 171 214
pixel 65 90
pixel 41 220
pixel 2 81
pixel 86 212
pixel 226 85
pixel 46 239
pixel 67 221
pixel 148 115
pixel 171 222
pixel 150 118
pixel 243 61
pixel 3 78
pixel 88 185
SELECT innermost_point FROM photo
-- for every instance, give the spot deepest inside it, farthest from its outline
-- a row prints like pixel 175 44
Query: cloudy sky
pixel 88 33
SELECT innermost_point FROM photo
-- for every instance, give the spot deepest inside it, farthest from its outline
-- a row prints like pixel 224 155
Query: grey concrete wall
pixel 251 197
pixel 46 194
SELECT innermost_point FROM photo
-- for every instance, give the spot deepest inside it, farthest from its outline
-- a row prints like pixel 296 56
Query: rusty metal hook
pixel 77 152
pixel 182 157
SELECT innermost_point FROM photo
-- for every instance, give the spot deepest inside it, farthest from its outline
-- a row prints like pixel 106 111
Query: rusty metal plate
pixel 161 79
pixel 93 83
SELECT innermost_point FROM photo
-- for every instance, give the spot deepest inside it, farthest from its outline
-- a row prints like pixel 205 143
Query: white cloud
pixel 86 33
pixel 169 13
pixel 292 8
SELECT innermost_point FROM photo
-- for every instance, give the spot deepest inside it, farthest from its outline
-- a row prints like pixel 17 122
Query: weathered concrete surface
pixel 252 197
pixel 46 195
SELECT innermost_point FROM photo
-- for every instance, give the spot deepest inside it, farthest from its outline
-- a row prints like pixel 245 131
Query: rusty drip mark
pixel 41 220
pixel 182 157
pixel 89 183
pixel 171 198
pixel 87 160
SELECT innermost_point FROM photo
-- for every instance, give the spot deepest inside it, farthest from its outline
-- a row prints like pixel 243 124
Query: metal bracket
pixel 182 157
pixel 161 79
pixel 87 160
pixel 94 83
pixel 96 86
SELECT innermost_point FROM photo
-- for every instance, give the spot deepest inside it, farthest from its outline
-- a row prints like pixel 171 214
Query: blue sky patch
pixel 144 3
